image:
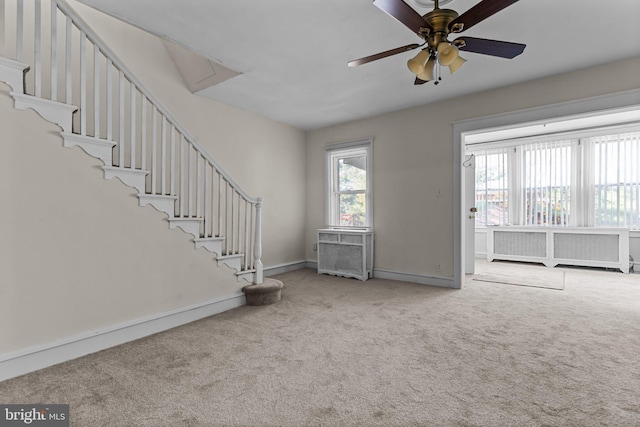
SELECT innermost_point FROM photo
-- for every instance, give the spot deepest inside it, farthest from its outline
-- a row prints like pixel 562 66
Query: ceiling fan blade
pixel 480 12
pixel 419 82
pixel 490 47
pixel 381 55
pixel 403 13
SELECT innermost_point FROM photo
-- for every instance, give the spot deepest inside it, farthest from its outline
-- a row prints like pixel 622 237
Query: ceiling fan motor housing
pixel 439 19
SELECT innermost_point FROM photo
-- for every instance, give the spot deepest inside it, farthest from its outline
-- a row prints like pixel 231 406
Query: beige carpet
pixel 340 352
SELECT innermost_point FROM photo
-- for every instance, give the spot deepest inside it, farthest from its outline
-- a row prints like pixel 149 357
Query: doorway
pixel 565 114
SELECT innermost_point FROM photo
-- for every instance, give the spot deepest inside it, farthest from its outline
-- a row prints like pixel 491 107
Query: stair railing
pixel 71 64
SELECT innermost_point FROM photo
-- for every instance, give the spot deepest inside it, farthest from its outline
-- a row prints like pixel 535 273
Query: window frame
pixel 333 153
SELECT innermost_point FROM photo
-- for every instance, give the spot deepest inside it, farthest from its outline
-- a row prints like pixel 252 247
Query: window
pixel 546 182
pixel 492 187
pixel 616 166
pixel 590 179
pixel 349 184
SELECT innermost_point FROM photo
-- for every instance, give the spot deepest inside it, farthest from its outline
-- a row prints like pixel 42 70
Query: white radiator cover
pixel 582 246
pixel 346 252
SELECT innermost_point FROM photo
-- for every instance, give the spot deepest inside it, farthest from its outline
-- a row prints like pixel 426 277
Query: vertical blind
pixel 616 170
pixel 547 184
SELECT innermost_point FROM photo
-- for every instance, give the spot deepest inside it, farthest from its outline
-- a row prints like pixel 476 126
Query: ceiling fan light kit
pixel 456 64
pixel 428 72
pixel 417 63
pixel 447 54
pixel 435 27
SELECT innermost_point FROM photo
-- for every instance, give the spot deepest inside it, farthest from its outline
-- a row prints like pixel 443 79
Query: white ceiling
pixel 293 54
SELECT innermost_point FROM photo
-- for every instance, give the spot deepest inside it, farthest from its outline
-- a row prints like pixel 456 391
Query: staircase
pixel 56 65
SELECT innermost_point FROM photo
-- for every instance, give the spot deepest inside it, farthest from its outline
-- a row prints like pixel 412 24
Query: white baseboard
pixel 444 282
pixel 32 359
pixel 284 268
pixel 380 273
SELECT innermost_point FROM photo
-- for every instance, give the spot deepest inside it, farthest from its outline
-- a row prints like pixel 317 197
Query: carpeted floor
pixel 340 352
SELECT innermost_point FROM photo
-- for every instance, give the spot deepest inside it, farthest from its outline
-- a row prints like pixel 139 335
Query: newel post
pixel 257 249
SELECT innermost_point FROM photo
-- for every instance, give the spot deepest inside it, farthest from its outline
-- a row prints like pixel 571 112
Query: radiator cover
pixel 581 246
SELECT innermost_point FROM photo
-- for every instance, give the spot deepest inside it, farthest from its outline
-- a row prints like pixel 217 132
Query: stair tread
pixel 222 257
pixel 14 64
pixel 157 196
pixel 88 138
pixel 124 168
pixel 44 101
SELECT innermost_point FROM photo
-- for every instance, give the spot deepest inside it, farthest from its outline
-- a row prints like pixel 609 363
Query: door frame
pixel 463 128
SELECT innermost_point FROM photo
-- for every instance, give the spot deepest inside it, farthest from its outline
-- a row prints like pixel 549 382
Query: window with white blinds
pixel 546 182
pixel 616 180
pixel 589 179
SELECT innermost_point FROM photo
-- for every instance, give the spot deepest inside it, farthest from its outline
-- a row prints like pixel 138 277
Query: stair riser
pixel 231 263
pixel 162 204
pixel 212 246
pixel 12 73
pixel 248 276
pixel 188 226
pixel 54 112
pixel 131 177
pixel 97 148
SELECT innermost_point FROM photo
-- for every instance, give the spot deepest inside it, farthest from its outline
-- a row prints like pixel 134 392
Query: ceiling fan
pixel 434 28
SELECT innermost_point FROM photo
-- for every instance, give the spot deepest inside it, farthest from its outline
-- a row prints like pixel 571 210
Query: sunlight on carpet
pixel 556 282
pixel 519 274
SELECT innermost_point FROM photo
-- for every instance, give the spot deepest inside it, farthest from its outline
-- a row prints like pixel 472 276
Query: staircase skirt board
pixel 12 73
pixel 161 202
pixel 212 244
pixel 248 275
pixel 232 261
pixel 95 147
pixel 53 111
pixel 132 177
pixel 188 225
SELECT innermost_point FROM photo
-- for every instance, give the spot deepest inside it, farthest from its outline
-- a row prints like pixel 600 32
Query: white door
pixel 469 218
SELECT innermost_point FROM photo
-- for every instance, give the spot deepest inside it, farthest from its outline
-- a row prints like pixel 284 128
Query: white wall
pixel 76 252
pixel 634 249
pixel 413 163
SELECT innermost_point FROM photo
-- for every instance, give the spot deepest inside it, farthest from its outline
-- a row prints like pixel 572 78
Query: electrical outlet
pixel 438 268
pixel 315 246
